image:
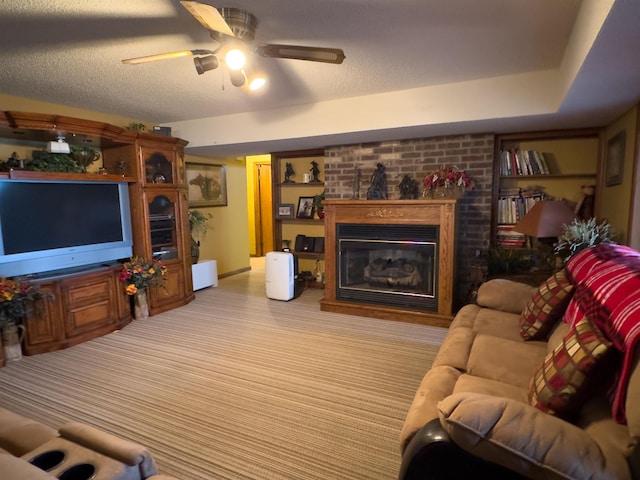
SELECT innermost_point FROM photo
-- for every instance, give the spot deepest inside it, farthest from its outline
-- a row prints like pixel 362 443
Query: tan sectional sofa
pixel 536 382
pixel 30 450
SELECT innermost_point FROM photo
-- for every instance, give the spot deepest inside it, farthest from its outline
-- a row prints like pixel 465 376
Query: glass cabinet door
pixel 158 167
pixel 162 227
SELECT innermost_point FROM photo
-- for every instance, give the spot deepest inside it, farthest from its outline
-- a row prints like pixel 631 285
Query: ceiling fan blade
pixel 296 52
pixel 208 16
pixel 164 56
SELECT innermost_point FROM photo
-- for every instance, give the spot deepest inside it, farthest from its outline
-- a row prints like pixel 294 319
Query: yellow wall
pixel 227 238
pixel 615 201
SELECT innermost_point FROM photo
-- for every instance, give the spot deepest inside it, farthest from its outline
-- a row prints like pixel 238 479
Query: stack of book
pixel 523 162
pixel 513 204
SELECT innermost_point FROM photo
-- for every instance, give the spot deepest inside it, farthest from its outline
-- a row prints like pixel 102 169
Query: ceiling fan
pixel 233 29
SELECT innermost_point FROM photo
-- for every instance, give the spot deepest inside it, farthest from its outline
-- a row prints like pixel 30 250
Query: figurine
pixel 378 188
pixel 315 171
pixel 409 188
pixel 288 173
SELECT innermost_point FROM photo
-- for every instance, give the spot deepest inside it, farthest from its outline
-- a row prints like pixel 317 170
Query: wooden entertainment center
pixel 80 305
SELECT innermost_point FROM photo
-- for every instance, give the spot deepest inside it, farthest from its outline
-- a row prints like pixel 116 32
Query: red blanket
pixel 607 280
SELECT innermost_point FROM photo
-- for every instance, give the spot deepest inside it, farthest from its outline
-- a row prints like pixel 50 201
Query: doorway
pixel 262 208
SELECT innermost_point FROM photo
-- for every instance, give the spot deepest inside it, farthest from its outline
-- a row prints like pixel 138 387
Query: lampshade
pixel 545 219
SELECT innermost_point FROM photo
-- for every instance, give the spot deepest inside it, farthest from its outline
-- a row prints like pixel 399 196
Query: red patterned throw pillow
pixel 560 384
pixel 546 307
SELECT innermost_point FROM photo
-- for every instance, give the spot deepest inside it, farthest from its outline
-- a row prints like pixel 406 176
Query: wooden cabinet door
pixel 173 293
pixel 44 328
pixel 91 304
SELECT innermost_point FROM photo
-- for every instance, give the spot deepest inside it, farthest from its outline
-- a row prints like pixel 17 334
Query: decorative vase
pixel 140 304
pixel 12 335
pixel 320 212
pixel 444 191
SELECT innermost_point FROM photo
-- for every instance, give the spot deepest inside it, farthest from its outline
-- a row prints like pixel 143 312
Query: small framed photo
pixel 285 210
pixel 614 161
pixel 207 185
pixel 305 207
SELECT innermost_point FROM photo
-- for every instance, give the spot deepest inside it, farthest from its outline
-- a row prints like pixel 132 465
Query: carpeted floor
pixel 237 386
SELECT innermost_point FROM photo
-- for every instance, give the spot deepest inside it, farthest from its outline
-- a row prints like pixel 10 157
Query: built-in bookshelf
pixel 531 167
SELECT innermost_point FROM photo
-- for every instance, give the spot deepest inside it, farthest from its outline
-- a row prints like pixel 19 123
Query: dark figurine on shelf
pixel 14 162
pixel 378 188
pixel 288 173
pixel 315 171
pixel 409 188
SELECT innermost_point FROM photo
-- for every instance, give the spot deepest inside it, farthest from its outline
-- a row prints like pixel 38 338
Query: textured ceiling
pixel 70 52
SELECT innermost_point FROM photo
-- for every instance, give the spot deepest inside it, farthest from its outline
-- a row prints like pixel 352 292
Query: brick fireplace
pixel 417 157
pixel 391 259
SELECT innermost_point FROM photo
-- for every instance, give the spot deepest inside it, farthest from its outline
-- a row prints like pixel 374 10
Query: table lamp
pixel 544 223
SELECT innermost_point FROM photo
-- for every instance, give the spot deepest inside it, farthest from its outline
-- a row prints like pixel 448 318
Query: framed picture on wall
pixel 305 207
pixel 207 185
pixel 614 161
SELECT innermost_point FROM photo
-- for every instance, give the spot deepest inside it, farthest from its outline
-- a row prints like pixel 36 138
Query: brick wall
pixel 417 158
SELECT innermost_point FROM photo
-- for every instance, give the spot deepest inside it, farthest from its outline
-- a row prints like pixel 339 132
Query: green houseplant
pixel 317 204
pixel 198 226
pixel 581 234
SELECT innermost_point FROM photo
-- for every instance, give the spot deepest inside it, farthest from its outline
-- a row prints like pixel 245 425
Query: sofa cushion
pixel 526 440
pixel 488 354
pixel 560 384
pixel 546 307
pixel 504 295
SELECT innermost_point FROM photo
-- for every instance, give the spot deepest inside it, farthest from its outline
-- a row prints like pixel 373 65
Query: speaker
pixel 299 243
pixel 308 244
pixel 318 245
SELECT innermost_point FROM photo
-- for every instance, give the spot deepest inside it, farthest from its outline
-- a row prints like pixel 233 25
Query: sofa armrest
pixel 431 454
pixel 130 453
pixel 527 440
pixel 505 295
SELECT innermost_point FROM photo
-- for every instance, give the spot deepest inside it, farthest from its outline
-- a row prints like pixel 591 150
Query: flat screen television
pixel 47 226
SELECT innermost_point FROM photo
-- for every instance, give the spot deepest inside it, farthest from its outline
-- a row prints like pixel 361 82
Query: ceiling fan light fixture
pixel 235 59
pixel 256 82
pixel 204 64
pixel 238 78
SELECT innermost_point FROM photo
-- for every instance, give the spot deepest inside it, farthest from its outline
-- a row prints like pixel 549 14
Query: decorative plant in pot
pixel 317 204
pixel 16 301
pixel 581 234
pixel 138 274
pixel 198 227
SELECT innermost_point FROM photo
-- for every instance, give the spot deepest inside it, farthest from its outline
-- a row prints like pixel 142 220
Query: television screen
pixel 54 225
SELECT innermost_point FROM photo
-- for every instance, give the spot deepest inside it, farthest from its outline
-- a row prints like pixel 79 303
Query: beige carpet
pixel 237 386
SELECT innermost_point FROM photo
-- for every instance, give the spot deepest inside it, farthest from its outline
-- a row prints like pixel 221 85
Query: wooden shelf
pixel 549 176
pixel 92 177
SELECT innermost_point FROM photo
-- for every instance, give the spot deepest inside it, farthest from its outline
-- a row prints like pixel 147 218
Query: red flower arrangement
pixel 15 299
pixel 140 273
pixel 448 177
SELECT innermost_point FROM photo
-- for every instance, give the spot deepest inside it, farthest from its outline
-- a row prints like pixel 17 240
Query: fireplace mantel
pixel 441 213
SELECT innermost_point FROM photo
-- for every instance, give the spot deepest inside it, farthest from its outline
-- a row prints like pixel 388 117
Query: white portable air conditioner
pixel 281 271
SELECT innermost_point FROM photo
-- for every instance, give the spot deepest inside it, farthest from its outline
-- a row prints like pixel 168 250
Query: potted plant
pixel 16 300
pixel 581 234
pixel 317 204
pixel 198 227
